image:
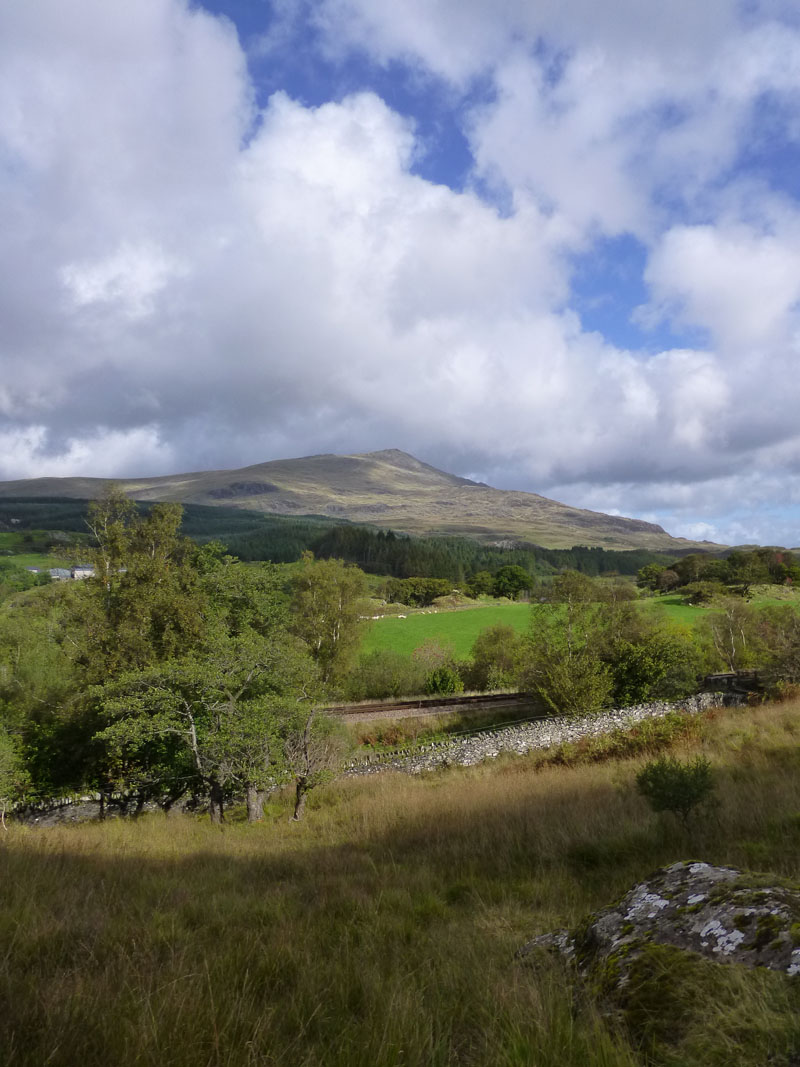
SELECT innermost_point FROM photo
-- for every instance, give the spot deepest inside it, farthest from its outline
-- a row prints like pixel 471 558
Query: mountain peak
pixel 388 488
pixel 396 457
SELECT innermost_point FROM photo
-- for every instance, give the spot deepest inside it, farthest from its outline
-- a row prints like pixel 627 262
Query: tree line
pixel 591 645
pixel 255 536
pixel 174 670
pixel 457 559
pixel 700 577
pixel 178 671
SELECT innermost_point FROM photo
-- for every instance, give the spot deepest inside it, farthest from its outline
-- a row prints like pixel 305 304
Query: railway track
pixel 405 709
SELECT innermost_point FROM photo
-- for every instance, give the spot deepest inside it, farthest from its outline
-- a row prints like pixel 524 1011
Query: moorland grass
pixel 382 929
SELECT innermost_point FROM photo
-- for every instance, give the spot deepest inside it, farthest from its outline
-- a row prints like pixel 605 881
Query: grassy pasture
pixel 458 628
pixel 28 549
pixel 382 930
pixel 36 559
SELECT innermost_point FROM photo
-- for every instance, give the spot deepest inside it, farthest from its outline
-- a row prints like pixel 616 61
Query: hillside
pixel 382 929
pixel 389 489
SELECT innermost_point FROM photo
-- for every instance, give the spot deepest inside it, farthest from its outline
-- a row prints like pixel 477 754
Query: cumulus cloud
pixel 194 281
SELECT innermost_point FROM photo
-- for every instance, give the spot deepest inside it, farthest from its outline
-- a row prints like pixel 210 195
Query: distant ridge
pixel 390 489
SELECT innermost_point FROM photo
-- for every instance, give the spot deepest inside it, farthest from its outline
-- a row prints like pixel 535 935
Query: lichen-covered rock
pixel 723 914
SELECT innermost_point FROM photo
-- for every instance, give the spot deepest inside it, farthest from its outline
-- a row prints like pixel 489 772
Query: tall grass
pixel 382 930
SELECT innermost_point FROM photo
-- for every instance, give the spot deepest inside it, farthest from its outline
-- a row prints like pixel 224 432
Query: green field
pixel 458 628
pixel 28 549
pixel 36 559
pixel 674 608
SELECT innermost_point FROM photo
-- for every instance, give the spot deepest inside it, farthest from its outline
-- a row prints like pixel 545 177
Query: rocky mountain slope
pixel 388 489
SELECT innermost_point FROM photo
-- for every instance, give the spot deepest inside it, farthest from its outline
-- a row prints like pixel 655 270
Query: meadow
pixel 459 627
pixel 382 929
pixel 29 549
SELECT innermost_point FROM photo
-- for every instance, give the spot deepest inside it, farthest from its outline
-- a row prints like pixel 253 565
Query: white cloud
pixel 106 453
pixel 131 276
pixel 191 283
pixel 740 284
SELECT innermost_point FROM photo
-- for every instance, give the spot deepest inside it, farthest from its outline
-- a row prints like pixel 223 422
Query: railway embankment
pixel 519 738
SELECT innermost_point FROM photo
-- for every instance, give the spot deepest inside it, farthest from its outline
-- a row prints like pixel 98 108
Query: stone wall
pixel 522 738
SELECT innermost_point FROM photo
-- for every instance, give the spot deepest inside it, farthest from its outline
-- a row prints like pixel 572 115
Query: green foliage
pixel 591 646
pixel 670 785
pixel 417 592
pixel 702 592
pixel 481 584
pixel 384 673
pixel 664 663
pixel 510 581
pixel 734 635
pixel 561 663
pixel 444 680
pixel 737 572
pixel 571 588
pixel 14 778
pixel 224 716
pixel 648 577
pixel 171 665
pixel 16 579
pixel 145 603
pixel 326 613
pixel 495 658
pixel 37 687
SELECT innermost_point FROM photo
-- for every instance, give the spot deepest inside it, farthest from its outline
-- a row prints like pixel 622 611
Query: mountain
pixel 389 489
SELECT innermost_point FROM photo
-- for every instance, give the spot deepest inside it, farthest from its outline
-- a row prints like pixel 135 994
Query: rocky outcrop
pixel 720 913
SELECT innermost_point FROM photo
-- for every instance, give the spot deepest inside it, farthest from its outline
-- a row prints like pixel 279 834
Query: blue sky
pixel 551 246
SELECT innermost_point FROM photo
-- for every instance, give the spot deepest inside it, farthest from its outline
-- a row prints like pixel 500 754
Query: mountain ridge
pixel 387 488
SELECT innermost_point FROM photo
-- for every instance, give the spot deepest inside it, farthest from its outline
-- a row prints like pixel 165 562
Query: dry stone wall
pixel 524 737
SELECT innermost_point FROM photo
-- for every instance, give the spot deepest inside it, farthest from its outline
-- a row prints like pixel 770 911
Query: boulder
pixel 720 913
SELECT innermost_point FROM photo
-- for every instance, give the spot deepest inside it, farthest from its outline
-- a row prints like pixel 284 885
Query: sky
pixel 549 245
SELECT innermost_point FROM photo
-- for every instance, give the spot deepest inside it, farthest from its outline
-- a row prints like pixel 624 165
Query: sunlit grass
pixel 458 628
pixel 461 627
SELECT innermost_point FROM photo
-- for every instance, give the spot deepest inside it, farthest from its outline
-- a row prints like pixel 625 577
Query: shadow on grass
pixel 382 930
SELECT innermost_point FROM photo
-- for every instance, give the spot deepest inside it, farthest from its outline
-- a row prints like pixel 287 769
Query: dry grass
pixel 380 931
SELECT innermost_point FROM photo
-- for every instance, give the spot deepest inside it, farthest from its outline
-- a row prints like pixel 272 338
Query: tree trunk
pixel 300 799
pixel 216 804
pixel 255 804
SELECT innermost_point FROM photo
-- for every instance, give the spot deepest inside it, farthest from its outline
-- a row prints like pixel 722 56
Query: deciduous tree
pixel 326 612
pixel 223 715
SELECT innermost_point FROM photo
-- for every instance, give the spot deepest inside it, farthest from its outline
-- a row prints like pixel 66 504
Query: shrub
pixel 701 592
pixel 384 673
pixel 444 680
pixel 669 785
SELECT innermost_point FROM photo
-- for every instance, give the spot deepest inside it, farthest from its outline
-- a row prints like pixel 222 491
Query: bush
pixel 384 673
pixel 444 680
pixel 669 785
pixel 697 593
